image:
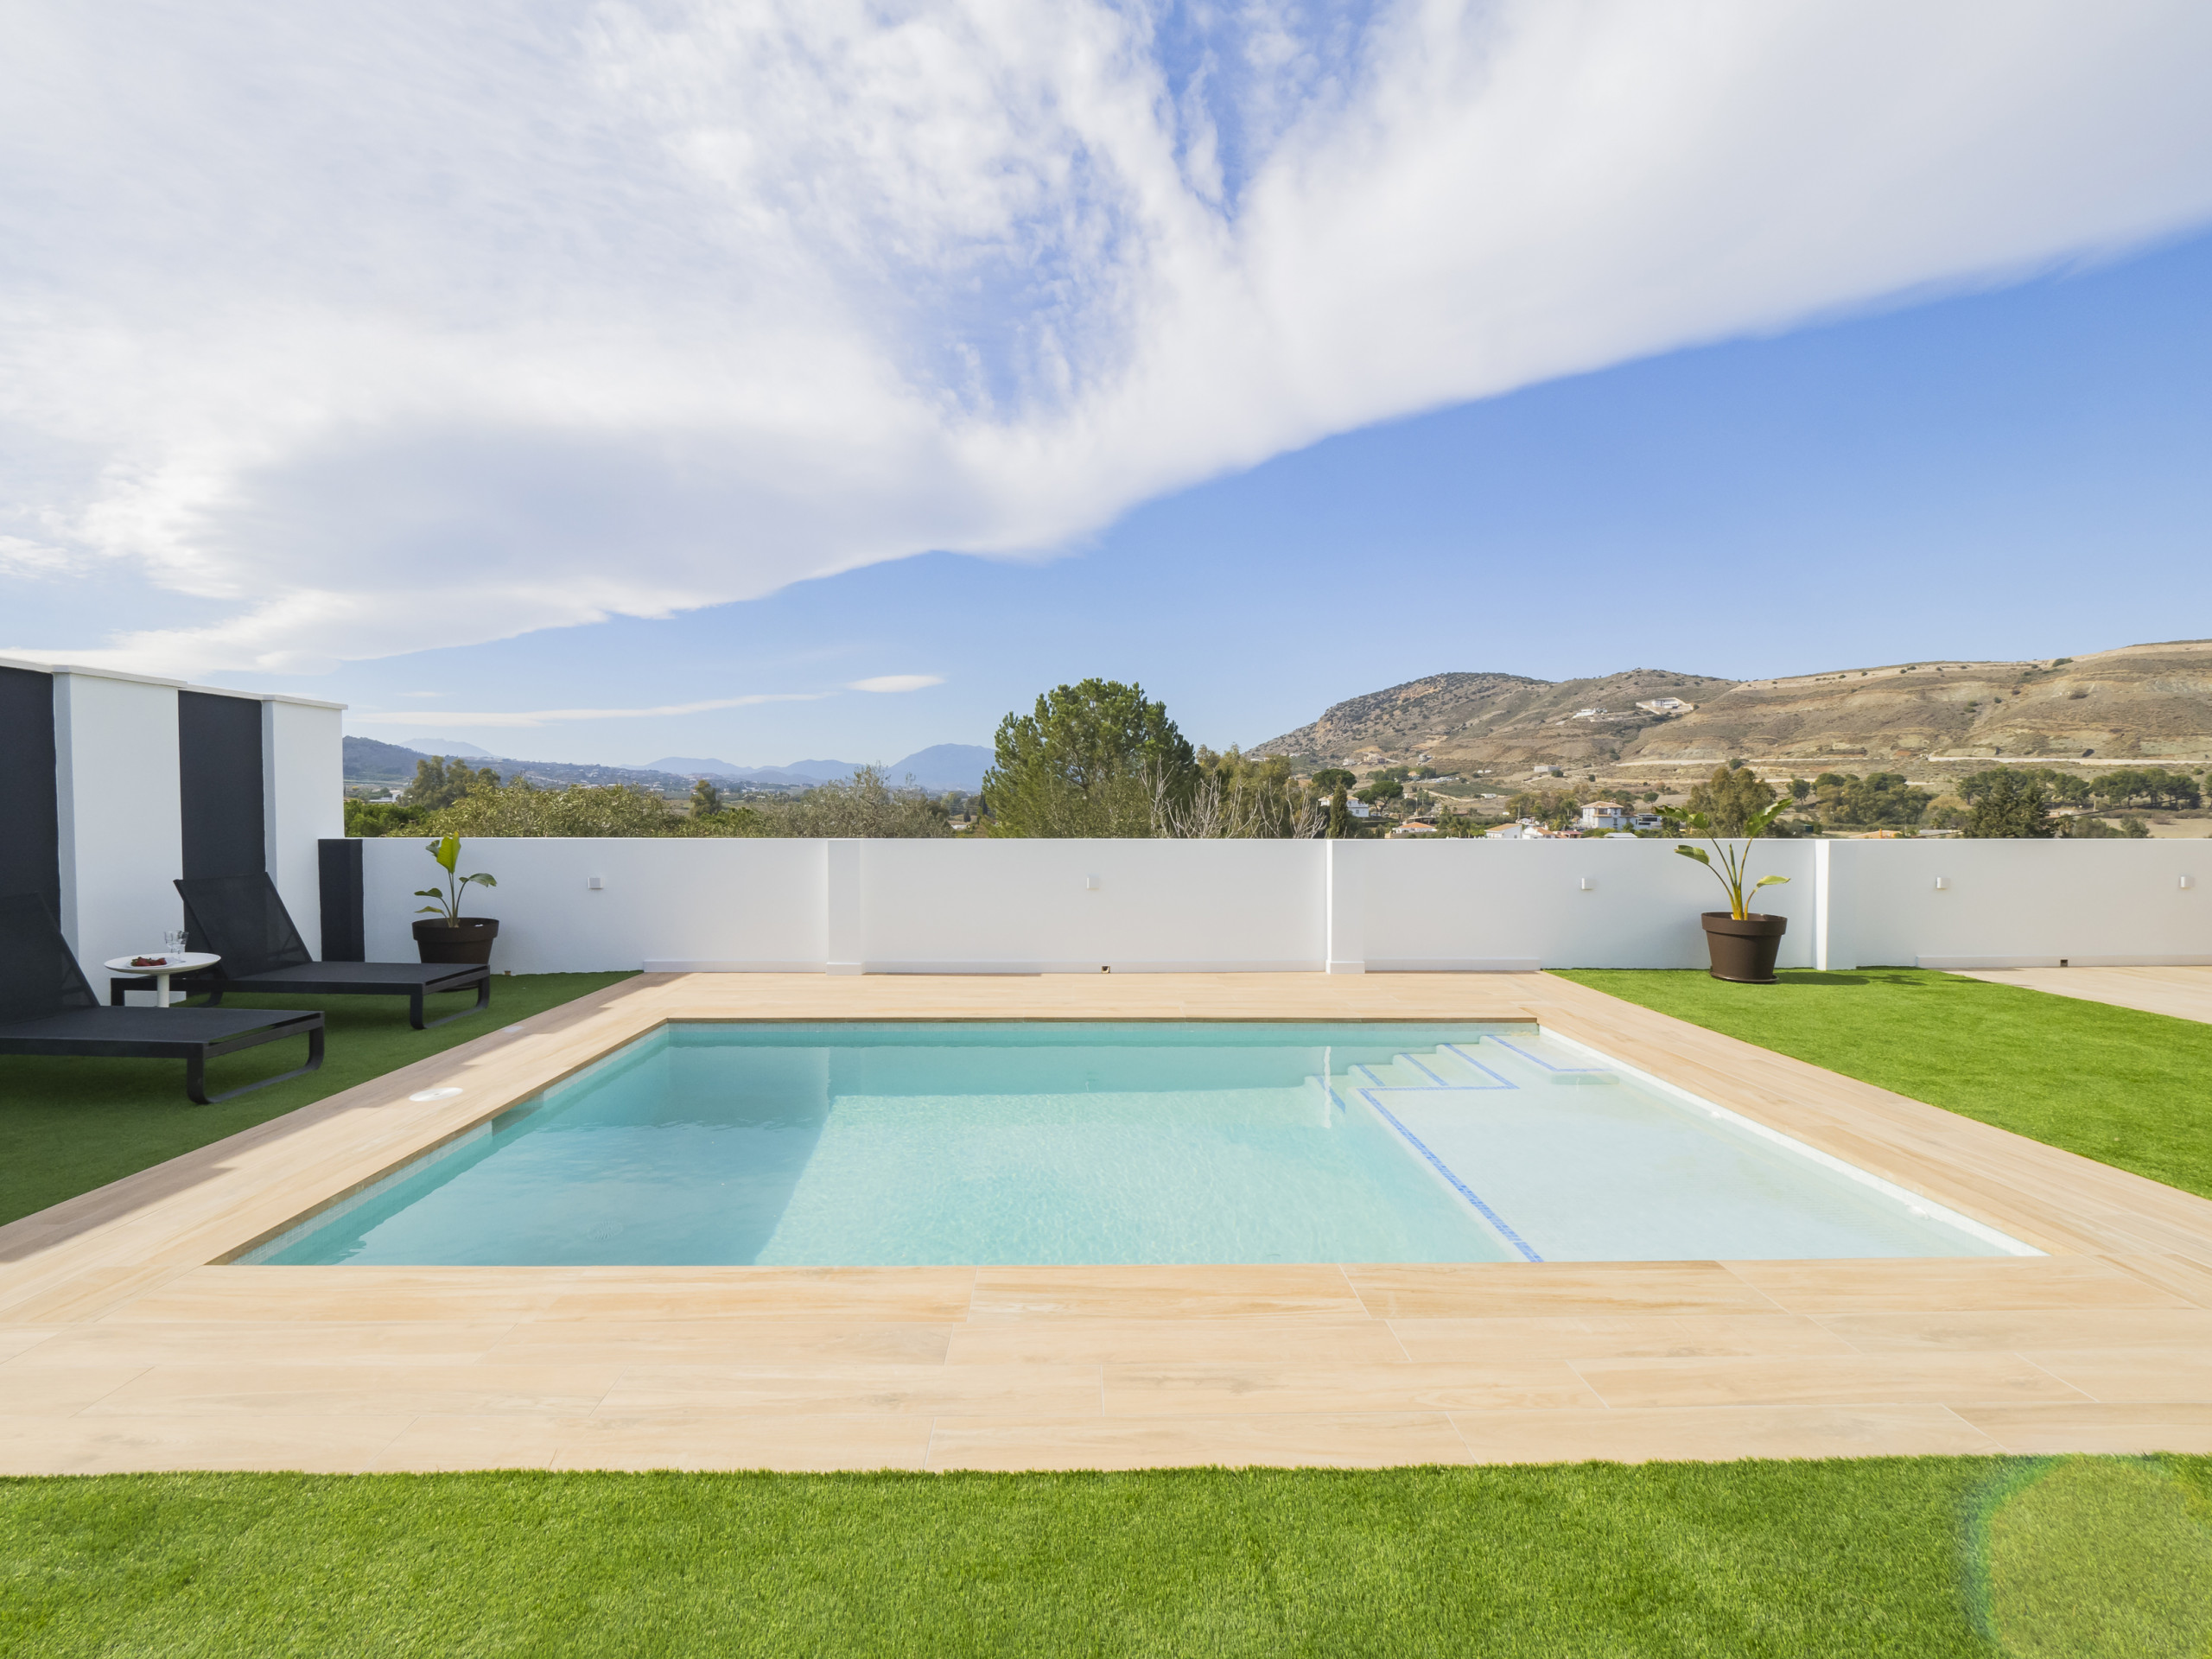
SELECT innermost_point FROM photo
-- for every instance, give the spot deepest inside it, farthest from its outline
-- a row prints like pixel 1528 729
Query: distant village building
pixel 1603 815
pixel 1666 705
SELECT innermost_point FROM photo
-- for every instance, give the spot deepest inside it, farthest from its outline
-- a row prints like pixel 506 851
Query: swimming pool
pixel 1094 1142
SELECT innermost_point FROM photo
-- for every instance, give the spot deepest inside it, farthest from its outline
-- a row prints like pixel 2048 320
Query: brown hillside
pixel 2149 703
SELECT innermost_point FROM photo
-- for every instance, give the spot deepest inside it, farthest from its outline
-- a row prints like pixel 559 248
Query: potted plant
pixel 452 937
pixel 1743 944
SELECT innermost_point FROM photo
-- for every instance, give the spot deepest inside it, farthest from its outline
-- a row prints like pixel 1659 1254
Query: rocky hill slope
pixel 2144 704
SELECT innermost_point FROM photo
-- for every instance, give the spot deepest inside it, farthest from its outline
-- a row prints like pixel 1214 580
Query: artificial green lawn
pixel 2128 1089
pixel 67 1126
pixel 1912 1557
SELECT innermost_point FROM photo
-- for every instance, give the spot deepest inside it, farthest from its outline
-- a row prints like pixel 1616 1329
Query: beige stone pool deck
pixel 126 1345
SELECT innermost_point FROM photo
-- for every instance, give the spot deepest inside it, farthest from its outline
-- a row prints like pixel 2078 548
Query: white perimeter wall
pixel 952 906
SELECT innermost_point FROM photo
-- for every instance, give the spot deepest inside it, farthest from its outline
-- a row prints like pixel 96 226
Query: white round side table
pixel 159 966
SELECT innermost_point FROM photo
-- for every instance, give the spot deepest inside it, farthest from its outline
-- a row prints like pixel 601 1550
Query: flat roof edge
pixel 39 666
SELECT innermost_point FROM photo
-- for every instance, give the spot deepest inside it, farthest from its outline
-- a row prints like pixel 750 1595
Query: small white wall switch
pixel 595 884
pixel 1588 885
pixel 1942 883
pixel 1091 884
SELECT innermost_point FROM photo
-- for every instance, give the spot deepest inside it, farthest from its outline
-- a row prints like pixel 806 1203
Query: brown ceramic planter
pixel 1743 952
pixel 468 939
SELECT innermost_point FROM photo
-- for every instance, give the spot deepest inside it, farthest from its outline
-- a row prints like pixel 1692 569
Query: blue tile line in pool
pixel 1538 1059
pixel 1496 1221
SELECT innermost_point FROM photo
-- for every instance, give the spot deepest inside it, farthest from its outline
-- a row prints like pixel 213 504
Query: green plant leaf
pixel 1770 882
pixel 447 851
pixel 1697 853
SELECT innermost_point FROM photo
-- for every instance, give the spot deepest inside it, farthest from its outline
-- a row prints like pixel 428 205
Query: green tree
pixel 369 819
pixel 706 799
pixel 1234 796
pixel 2005 806
pixel 1328 780
pixel 437 785
pixel 1093 758
pixel 1339 814
pixel 1730 799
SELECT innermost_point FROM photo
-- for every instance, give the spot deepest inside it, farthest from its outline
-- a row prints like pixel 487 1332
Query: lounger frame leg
pixel 195 1074
pixel 414 1006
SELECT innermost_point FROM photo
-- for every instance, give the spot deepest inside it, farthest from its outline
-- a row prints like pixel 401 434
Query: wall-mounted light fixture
pixel 1942 883
pixel 1588 885
pixel 594 884
pixel 1091 884
pixel 2187 882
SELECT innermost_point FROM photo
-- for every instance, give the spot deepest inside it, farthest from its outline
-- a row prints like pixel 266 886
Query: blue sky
pixel 2018 472
pixel 592 380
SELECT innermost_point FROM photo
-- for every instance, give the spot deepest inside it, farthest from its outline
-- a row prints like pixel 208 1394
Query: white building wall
pixel 302 802
pixel 115 777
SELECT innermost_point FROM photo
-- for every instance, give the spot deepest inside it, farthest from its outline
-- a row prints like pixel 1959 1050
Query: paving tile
pixel 2183 1276
pixel 401 1295
pixel 1718 1433
pixel 1553 1289
pixel 382 1390
pixel 88 1295
pixel 2020 1329
pixel 1038 1390
pixel 272 1342
pixel 442 1441
pixel 28 1390
pixel 1165 1342
pixel 1647 1335
pixel 21 1338
pixel 1220 1390
pixel 718 1441
pixel 2130 1374
pixel 1158 1293
pixel 2119 1430
pixel 1887 1379
pixel 1285 1439
pixel 729 1342
pixel 324 1444
pixel 1923 1285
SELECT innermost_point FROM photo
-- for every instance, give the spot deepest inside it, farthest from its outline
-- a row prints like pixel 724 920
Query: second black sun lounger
pixel 242 919
pixel 47 1008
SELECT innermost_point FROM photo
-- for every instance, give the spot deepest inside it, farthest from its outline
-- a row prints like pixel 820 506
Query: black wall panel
pixel 344 930
pixel 30 837
pixel 218 761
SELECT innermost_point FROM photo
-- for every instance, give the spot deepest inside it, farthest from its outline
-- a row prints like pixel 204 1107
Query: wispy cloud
pixel 377 328
pixel 449 718
pixel 896 683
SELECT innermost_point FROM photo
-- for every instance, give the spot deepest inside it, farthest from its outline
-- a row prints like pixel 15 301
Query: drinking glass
pixel 173 942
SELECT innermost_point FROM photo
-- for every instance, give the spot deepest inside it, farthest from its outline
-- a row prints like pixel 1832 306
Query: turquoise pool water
pixel 910 1144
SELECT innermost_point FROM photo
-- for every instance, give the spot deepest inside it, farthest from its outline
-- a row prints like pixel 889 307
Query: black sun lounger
pixel 47 1008
pixel 242 919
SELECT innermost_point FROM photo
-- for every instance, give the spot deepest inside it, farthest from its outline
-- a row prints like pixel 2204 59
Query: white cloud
pixel 449 718
pixel 897 683
pixel 395 326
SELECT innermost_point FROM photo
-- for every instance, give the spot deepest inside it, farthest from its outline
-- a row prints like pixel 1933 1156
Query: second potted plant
pixel 452 937
pixel 1742 945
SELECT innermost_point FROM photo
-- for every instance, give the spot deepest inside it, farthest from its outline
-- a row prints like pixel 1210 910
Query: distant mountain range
pixel 941 768
pixel 2139 704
